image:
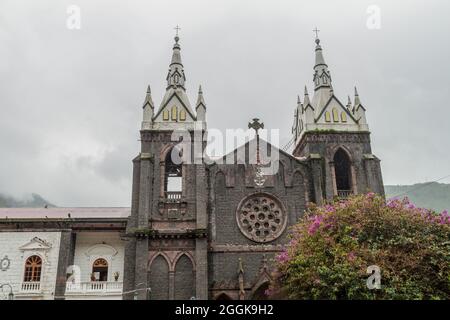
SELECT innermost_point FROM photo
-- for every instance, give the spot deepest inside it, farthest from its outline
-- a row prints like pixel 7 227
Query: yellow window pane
pixel 165 115
pixel 182 115
pixel 335 115
pixel 343 116
pixel 174 113
pixel 327 117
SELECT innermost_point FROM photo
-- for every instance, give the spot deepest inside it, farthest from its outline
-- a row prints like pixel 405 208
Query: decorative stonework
pixel 261 217
pixel 5 263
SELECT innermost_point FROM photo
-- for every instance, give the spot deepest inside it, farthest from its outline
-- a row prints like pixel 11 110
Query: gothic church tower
pixel 335 138
pixel 166 251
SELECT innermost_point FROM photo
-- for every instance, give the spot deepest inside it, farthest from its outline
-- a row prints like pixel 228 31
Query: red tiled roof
pixel 59 213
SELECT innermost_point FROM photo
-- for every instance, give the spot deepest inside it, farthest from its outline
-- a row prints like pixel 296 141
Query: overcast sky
pixel 70 100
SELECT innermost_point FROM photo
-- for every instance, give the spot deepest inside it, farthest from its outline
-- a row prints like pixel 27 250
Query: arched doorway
pixel 342 171
pixel 223 296
pixel 260 293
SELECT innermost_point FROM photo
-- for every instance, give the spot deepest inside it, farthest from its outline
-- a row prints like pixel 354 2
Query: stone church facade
pixel 198 228
pixel 215 236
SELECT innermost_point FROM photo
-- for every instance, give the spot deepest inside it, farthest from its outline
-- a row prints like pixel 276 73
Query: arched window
pixel 335 115
pixel 174 113
pixel 182 115
pixel 327 116
pixel 342 172
pixel 173 176
pixel 100 270
pixel 343 116
pixel 33 269
pixel 166 115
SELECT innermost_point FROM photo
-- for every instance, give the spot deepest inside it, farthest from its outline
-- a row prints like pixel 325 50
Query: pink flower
pixel 351 256
pixel 282 257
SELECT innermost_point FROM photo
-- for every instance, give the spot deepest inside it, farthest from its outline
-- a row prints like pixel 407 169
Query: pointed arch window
pixel 343 116
pixel 174 113
pixel 182 115
pixel 33 269
pixel 335 115
pixel 165 115
pixel 100 270
pixel 342 169
pixel 327 116
pixel 173 175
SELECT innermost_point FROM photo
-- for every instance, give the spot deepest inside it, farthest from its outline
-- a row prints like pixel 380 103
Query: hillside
pixel 430 195
pixel 34 201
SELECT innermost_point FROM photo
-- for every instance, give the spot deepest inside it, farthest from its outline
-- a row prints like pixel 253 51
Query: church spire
pixel 148 110
pixel 176 77
pixel 306 98
pixel 323 90
pixel 322 77
pixel 200 107
pixel 357 100
pixel 148 99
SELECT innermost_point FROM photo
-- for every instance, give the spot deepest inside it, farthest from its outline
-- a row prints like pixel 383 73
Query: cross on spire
pixel 177 28
pixel 316 31
pixel 256 125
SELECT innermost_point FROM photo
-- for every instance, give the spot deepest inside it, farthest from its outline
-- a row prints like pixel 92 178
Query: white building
pixel 62 253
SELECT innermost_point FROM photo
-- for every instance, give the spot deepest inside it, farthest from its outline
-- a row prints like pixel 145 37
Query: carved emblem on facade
pixel 5 263
pixel 261 217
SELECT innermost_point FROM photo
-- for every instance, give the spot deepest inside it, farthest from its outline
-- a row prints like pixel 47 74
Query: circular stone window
pixel 261 217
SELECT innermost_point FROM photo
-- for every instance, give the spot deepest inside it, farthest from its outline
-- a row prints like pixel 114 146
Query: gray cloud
pixel 71 100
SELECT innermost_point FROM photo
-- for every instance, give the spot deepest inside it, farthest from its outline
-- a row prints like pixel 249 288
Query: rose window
pixel 261 217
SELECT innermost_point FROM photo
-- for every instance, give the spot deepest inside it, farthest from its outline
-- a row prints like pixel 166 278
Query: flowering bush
pixel 331 247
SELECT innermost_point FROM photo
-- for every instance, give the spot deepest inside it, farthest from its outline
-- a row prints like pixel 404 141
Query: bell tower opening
pixel 173 176
pixel 342 169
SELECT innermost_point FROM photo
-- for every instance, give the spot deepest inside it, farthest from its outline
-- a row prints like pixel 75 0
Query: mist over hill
pixel 32 201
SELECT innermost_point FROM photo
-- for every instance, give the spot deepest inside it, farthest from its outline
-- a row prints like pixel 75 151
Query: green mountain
pixel 431 195
pixel 35 201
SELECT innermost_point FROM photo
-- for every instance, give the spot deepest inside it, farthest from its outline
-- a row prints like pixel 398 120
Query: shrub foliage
pixel 332 246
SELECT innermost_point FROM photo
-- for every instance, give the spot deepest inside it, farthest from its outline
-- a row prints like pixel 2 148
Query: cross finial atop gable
pixel 256 125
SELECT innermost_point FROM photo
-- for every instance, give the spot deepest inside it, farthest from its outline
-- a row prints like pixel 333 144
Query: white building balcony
pixel 100 288
pixel 30 287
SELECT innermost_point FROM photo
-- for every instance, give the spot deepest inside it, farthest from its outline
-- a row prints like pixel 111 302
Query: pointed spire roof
pixel 357 101
pixel 320 61
pixel 148 98
pixel 349 103
pixel 175 77
pixel 176 54
pixel 200 99
pixel 323 89
pixel 306 101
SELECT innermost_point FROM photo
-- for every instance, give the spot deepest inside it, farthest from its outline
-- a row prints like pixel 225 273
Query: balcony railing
pixel 344 193
pixel 173 196
pixel 30 287
pixel 94 287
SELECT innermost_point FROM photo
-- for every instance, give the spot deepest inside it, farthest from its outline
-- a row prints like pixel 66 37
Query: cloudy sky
pixel 70 99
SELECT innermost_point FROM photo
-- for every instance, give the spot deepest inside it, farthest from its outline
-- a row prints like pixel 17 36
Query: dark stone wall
pixel 357 145
pixel 229 184
pixel 64 260
pixel 211 196
pixel 184 279
pixel 159 279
